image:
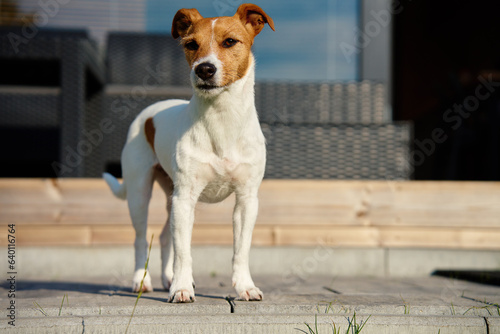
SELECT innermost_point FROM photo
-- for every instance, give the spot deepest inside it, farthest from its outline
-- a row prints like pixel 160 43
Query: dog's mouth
pixel 206 87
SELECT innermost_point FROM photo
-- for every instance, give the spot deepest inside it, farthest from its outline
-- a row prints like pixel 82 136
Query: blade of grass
pixel 62 303
pixel 334 328
pixel 406 305
pixel 308 327
pixel 301 330
pixel 354 326
pixel 142 283
pixel 40 308
pixel 363 324
pixel 350 323
pixel 329 307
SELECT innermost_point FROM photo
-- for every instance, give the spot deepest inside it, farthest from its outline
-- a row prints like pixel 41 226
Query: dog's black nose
pixel 205 71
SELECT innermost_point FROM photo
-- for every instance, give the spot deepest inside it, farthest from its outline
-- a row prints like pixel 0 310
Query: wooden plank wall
pixel 458 215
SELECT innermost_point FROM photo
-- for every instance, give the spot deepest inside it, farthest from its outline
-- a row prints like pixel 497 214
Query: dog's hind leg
pixel 167 248
pixel 138 197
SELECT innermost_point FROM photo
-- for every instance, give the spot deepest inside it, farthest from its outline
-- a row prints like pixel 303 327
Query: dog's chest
pixel 233 165
pixel 221 176
pixel 218 153
pixel 222 167
pixel 224 152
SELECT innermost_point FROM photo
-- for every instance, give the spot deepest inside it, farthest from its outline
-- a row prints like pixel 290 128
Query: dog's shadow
pixel 32 286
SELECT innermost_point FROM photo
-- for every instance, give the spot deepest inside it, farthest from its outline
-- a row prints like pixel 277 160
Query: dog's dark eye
pixel 192 45
pixel 229 42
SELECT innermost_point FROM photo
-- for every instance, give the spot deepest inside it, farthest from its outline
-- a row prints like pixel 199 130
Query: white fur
pixel 115 186
pixel 210 147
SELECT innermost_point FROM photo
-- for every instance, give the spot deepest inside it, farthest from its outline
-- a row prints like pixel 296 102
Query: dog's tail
pixel 118 189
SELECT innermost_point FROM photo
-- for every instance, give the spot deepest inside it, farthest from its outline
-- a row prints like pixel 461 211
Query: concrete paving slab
pixel 235 323
pixel 411 285
pixel 493 325
pixel 393 305
pixel 424 325
pixel 423 296
pixel 45 325
pixel 118 260
pixel 96 297
pixel 289 262
pixel 423 262
pixel 430 295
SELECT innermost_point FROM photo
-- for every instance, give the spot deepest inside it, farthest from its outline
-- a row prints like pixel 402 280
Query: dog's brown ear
pixel 183 19
pixel 254 18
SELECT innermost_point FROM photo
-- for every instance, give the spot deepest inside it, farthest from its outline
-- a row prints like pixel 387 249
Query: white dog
pixel 201 150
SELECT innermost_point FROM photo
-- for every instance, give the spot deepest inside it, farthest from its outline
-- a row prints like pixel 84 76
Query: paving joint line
pixel 83 325
pixel 230 300
pixel 487 325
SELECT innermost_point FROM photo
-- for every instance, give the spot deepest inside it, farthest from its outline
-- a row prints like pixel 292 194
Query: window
pixel 307 41
pixel 307 44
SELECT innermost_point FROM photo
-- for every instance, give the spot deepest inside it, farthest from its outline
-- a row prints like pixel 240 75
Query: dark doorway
pixel 446 78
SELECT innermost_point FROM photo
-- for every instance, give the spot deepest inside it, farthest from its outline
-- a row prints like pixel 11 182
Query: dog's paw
pixel 136 283
pixel 182 296
pixel 250 294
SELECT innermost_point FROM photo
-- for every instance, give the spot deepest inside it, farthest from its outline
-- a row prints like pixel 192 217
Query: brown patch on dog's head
pixel 253 18
pixel 184 19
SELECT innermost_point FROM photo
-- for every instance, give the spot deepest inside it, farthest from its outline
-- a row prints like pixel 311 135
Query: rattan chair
pixel 52 79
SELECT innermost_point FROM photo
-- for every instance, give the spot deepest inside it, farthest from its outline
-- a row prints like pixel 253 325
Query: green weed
pixel 40 308
pixel 406 305
pixel 62 302
pixel 353 328
pixel 142 283
pixel 329 307
pixel 311 331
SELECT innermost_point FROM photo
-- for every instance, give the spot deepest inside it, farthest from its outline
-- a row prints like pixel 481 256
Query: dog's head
pixel 218 49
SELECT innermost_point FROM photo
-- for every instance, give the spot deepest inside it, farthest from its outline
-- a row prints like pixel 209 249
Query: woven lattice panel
pixel 338 151
pixel 35 107
pixel 300 103
pixel 146 60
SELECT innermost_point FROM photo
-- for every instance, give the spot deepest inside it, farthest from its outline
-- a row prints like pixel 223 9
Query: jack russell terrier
pixel 200 150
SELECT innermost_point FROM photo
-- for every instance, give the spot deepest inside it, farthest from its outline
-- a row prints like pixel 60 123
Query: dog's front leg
pixel 181 225
pixel 244 217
